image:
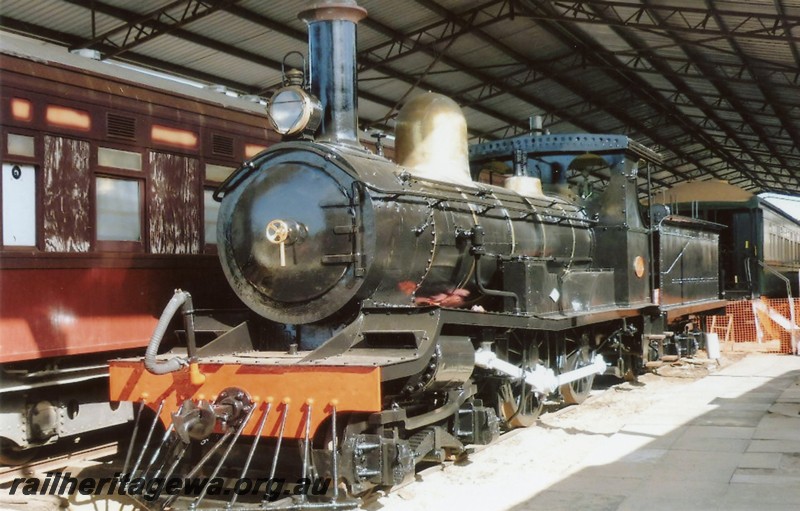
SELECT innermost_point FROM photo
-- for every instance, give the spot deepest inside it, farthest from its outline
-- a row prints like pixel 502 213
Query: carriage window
pixel 173 136
pixel 21 145
pixel 21 109
pixel 210 212
pixel 115 158
pixel 118 210
pixel 218 173
pixel 19 205
pixel 68 117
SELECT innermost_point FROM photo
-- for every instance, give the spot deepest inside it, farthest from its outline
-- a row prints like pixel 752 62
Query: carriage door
pixel 19 205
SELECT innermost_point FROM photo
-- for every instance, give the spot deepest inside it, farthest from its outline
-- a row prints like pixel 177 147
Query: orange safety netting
pixel 761 324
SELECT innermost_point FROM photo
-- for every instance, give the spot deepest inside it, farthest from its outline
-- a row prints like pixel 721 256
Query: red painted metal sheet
pixel 91 308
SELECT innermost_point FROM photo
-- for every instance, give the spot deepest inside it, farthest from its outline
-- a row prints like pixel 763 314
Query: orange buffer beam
pixel 352 389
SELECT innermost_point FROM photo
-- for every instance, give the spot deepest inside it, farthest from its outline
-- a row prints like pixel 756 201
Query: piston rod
pixel 542 379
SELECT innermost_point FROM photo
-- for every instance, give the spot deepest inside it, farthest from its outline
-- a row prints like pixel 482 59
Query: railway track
pixel 58 461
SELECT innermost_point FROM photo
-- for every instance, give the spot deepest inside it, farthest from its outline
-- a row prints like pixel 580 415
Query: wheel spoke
pixel 518 405
pixel 577 391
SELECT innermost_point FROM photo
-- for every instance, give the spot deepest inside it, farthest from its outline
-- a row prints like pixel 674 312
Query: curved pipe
pixel 179 299
pixel 476 236
pixel 493 292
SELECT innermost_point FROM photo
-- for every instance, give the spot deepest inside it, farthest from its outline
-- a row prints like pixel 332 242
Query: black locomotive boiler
pixel 400 310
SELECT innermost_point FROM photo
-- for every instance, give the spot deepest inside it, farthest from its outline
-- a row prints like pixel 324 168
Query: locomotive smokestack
pixel 332 55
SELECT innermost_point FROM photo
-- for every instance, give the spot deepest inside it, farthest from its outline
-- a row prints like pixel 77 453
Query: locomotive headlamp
pixel 293 111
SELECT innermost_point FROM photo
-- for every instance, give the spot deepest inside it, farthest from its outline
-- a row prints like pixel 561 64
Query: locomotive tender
pixel 402 311
pixel 760 249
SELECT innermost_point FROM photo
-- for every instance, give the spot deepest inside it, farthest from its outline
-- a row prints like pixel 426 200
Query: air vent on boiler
pixel 222 145
pixel 119 126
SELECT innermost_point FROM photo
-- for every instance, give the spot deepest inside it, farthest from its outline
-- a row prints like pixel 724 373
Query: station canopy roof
pixel 713 85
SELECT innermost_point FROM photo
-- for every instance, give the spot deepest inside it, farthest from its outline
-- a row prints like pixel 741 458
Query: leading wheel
pixel 576 392
pixel 518 405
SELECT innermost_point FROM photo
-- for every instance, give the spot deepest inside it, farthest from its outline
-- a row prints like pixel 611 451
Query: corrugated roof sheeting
pixel 480 122
pixel 744 7
pixel 473 52
pixel 284 12
pixel 784 85
pixel 238 31
pixel 768 120
pixel 369 38
pixel 459 6
pixel 175 49
pixel 608 39
pixel 657 82
pixel 731 75
pixel 553 93
pixel 508 105
pixel 140 6
pixel 401 16
pixel 599 119
pixel 416 67
pixel 57 14
pixel 773 51
pixel 527 38
pixel 240 70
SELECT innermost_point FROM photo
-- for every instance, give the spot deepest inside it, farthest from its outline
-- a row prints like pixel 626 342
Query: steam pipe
pixel 332 70
pixel 476 236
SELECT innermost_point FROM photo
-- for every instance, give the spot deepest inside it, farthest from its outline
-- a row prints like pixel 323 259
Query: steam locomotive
pixel 400 311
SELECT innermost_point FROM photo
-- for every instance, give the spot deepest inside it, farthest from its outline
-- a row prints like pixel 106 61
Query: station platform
pixel 727 441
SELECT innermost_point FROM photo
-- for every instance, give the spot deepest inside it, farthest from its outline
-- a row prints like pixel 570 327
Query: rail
pixel 58 461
